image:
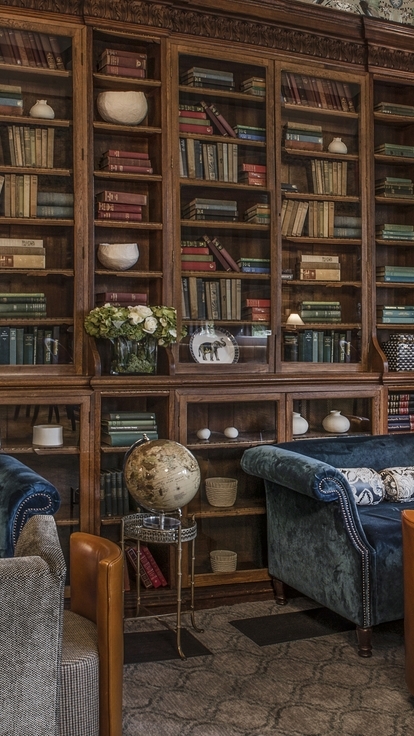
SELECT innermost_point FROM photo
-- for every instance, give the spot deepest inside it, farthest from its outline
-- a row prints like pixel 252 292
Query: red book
pixel 115 153
pixel 153 576
pixel 227 127
pixel 129 169
pixel 198 266
pixel 10 110
pixel 132 216
pixel 258 168
pixel 189 128
pixel 304 145
pixel 122 161
pixel 131 555
pixel 123 71
pixel 257 311
pixel 153 564
pixel 214 118
pixel 122 296
pixel 125 197
pixel 221 254
pixel 192 114
pixel 121 59
pixel 194 250
pixel 123 52
pixel 257 302
pixel 115 207
pixel 224 252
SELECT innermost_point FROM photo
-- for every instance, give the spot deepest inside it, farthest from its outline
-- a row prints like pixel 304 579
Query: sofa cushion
pixel 399 483
pixel 366 484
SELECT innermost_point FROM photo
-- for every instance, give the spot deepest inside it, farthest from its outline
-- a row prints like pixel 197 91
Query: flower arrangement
pixel 134 323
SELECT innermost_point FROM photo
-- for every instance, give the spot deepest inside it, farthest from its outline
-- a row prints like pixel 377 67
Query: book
pixel 126 415
pixel 132 557
pixel 125 439
pixel 129 169
pixel 124 197
pixel 22 261
pixel 118 207
pixel 198 266
pixel 118 153
pixel 126 161
pixel 123 71
pixel 132 216
pixel 221 254
pixel 194 128
pixel 127 297
pixel 154 564
pixel 55 210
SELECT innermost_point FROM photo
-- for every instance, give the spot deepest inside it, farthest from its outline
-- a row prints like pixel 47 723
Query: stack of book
pixel 197 258
pixel 54 204
pixel 395 149
pixel 132 162
pixel 150 573
pixel 213 78
pixel 11 100
pixel 394 231
pixel 211 299
pixel 401 423
pixel 395 314
pixel 397 274
pixel 329 177
pixel 123 428
pixel 303 136
pixel 317 267
pixel 211 209
pixel 256 310
pixel 347 226
pixel 391 186
pixel 287 187
pixel 120 298
pixel 217 118
pixel 254 86
pixel 27 48
pixel 250 132
pixel 121 63
pixel 31 146
pixel 114 493
pixel 29 345
pixel 20 195
pixel 194 121
pixel 110 205
pixel 317 346
pixel 258 213
pixel 252 174
pixel 320 311
pixel 329 94
pixel 210 161
pixel 22 253
pixel 293 217
pixel 394 108
pixel 254 265
pixel 212 246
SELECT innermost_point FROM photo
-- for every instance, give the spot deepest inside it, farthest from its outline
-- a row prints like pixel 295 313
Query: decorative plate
pixel 213 346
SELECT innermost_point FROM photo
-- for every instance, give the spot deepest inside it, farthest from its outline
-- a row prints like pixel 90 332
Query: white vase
pixel 123 108
pixel 42 110
pixel 118 256
pixel 337 146
pixel 299 424
pixel 335 422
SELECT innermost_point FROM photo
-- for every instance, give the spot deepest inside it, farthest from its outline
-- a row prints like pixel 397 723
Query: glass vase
pixel 133 357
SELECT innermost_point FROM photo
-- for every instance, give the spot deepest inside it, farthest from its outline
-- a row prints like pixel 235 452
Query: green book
pixel 125 439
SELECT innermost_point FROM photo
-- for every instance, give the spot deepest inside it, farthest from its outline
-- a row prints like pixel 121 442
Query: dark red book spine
pixel 28 48
pixel 192 114
pixel 155 580
pixel 122 296
pixel 133 216
pixel 33 45
pixel 115 153
pixel 14 47
pixel 44 40
pixel 258 168
pixel 5 47
pixel 198 266
pixel 154 564
pixel 123 161
pixel 123 52
pixel 125 197
pixel 10 110
pixel 40 50
pixel 217 253
pixel 129 169
pixel 223 121
pixel 200 129
pixel 115 207
pixel 214 118
pixel 224 252
pixel 132 62
pixel 123 71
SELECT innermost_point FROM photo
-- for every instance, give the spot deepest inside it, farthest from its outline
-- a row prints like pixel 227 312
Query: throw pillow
pixel 366 484
pixel 399 483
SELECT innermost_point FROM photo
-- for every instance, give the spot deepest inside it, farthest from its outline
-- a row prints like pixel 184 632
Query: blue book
pixel 12 101
pixel 4 345
pixel 13 346
pixel 306 346
pixel 251 137
pixel 254 269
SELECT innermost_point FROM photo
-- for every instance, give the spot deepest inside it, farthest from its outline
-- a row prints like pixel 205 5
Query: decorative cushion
pixel 366 484
pixel 399 483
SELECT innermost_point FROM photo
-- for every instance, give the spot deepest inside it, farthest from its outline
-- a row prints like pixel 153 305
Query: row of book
pixel 192 252
pixel 112 205
pixel 31 146
pixel 293 217
pixel 133 162
pixel 203 208
pixel 394 231
pixel 22 253
pixel 396 274
pixel 320 218
pixel 197 76
pixel 120 298
pixel 122 63
pixel 211 299
pixel 123 428
pixel 150 573
pixel 28 48
pixel 22 198
pixel 401 423
pixel 401 403
pixel 11 99
pixel 258 213
pixel 205 119
pixel 113 494
pixel 329 177
pixel 318 346
pixel 254 86
pixel 395 149
pixel 318 268
pixel 320 311
pixel 303 136
pixel 328 94
pixel 209 161
pixel 392 186
pixel 396 314
pixel 394 108
pixel 29 345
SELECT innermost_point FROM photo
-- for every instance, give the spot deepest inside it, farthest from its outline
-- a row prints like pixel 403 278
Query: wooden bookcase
pixel 256 376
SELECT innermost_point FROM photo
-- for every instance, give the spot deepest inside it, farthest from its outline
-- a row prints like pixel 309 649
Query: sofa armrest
pixel 300 473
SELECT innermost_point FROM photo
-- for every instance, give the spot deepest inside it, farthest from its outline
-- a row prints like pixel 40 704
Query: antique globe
pixel 162 476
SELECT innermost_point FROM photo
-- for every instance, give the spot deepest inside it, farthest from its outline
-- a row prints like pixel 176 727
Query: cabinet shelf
pixel 221 139
pixel 110 81
pixel 325 326
pixel 321 197
pixel 224 225
pixel 252 100
pixel 129 130
pixel 318 111
pixel 223 185
pixel 394 284
pixel 27 120
pixel 35 170
pixel 129 274
pixel 244 438
pixel 44 272
pixel 127 224
pixel 249 575
pixel 29 449
pixel 242 507
pixel 399 160
pixel 124 175
pixel 392 243
pixel 36 222
pixel 402 201
pixel 324 241
pixel 297 153
pixel 335 284
pixel 393 120
pixel 36 71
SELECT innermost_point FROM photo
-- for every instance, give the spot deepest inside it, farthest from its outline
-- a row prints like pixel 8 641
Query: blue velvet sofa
pixel 345 556
pixel 23 493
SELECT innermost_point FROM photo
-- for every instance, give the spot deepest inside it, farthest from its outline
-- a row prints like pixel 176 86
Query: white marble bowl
pixel 118 256
pixel 122 108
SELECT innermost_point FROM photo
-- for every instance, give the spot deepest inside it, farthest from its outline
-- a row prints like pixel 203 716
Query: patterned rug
pixel 306 687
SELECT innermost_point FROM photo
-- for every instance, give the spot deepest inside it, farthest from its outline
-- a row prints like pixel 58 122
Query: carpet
pixel 159 646
pixel 266 630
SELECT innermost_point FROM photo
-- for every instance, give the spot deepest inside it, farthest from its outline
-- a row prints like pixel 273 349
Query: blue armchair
pixel 345 556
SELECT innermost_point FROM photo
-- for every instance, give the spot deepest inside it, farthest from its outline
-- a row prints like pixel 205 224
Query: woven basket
pixel 221 491
pixel 223 560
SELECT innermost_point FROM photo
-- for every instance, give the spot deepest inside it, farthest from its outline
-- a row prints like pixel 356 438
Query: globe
pixel 161 475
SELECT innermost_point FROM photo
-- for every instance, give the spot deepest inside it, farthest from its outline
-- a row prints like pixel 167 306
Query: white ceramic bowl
pixel 122 108
pixel 118 256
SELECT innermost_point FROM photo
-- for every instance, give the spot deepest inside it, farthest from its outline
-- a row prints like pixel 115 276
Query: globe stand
pixel 150 528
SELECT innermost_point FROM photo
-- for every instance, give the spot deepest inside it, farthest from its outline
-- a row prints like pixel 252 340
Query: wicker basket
pixel 221 491
pixel 223 560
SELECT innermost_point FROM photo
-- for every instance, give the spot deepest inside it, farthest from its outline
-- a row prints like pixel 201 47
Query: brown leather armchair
pixel 96 586
pixel 408 564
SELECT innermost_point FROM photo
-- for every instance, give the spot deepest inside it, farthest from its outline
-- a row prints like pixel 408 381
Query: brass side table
pixel 184 531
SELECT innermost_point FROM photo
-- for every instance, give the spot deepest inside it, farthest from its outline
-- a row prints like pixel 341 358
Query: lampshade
pixel 294 319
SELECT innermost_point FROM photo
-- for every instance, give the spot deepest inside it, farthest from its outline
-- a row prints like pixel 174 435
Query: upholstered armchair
pixel 408 561
pixel 345 556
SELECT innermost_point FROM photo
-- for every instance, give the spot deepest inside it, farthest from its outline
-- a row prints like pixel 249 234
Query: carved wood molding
pixel 68 7
pixel 378 56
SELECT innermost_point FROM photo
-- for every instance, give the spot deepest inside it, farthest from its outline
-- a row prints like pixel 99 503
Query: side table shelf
pixel 183 532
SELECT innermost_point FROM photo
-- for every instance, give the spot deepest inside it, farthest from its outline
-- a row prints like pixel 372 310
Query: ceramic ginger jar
pixel 299 423
pixel 42 110
pixel 336 422
pixel 337 146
